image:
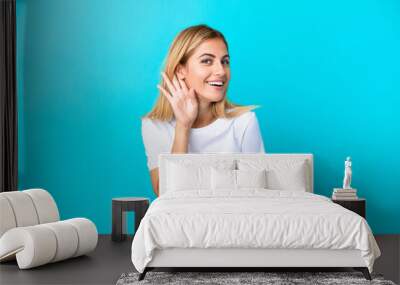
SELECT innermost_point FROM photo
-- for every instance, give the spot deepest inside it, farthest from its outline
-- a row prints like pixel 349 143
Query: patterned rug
pixel 270 278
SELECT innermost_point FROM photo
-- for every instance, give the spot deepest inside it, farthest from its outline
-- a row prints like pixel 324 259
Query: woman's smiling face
pixel 207 70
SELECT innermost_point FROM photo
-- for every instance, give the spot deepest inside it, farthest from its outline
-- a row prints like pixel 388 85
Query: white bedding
pixel 250 218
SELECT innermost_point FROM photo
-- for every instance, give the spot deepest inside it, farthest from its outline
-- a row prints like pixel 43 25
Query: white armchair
pixel 31 230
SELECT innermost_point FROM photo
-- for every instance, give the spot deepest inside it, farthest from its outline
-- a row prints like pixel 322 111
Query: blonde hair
pixel 180 51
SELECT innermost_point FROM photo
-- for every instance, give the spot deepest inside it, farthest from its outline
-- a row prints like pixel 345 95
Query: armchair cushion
pixel 40 244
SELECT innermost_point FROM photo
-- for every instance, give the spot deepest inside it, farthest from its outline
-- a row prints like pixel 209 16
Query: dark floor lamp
pixel 8 98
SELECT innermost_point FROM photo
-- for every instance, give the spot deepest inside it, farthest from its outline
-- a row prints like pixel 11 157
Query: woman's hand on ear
pixel 183 100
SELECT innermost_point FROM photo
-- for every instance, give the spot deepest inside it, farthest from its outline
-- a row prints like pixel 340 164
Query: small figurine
pixel 347 173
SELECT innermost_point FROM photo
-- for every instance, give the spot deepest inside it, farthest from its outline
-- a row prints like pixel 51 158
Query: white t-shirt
pixel 238 134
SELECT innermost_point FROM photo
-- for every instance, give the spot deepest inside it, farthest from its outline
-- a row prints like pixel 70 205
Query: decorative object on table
pixel 346 193
pixel 119 208
pixel 267 278
pixel 358 206
pixel 347 173
pixel 31 231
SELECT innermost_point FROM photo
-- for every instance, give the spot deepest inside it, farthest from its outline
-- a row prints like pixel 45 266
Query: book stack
pixel 344 194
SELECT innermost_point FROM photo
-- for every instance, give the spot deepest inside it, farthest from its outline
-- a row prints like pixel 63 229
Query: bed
pixel 244 211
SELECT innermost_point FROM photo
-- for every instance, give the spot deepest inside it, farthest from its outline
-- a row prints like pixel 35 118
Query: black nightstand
pixel 357 206
pixel 119 208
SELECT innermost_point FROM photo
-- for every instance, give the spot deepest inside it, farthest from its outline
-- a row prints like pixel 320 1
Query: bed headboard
pixel 205 158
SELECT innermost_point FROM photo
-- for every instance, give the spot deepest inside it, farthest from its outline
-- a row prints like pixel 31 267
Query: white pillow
pixel 251 178
pixel 237 179
pixel 223 179
pixel 282 174
pixel 188 175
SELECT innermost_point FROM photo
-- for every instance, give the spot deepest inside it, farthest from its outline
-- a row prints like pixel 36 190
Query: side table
pixel 119 208
pixel 357 206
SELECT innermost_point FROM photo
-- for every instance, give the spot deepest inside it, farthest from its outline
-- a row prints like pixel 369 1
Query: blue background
pixel 326 73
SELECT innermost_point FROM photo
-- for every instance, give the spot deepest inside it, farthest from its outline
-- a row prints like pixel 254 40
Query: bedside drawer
pixel 357 206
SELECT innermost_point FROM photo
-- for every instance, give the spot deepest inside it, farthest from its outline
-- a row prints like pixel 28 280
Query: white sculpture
pixel 347 173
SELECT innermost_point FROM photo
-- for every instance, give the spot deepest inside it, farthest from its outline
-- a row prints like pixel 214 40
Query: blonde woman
pixel 192 113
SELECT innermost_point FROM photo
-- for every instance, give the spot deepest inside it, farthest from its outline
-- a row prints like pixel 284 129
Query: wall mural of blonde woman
pixel 192 113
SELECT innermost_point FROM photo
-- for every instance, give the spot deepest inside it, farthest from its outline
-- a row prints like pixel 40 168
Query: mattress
pixel 250 219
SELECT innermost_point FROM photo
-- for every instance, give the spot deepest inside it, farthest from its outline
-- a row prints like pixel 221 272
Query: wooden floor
pixel 389 262
pixel 103 266
pixel 111 259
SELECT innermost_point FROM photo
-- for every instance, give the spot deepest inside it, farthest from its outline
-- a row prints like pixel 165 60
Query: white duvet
pixel 252 218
